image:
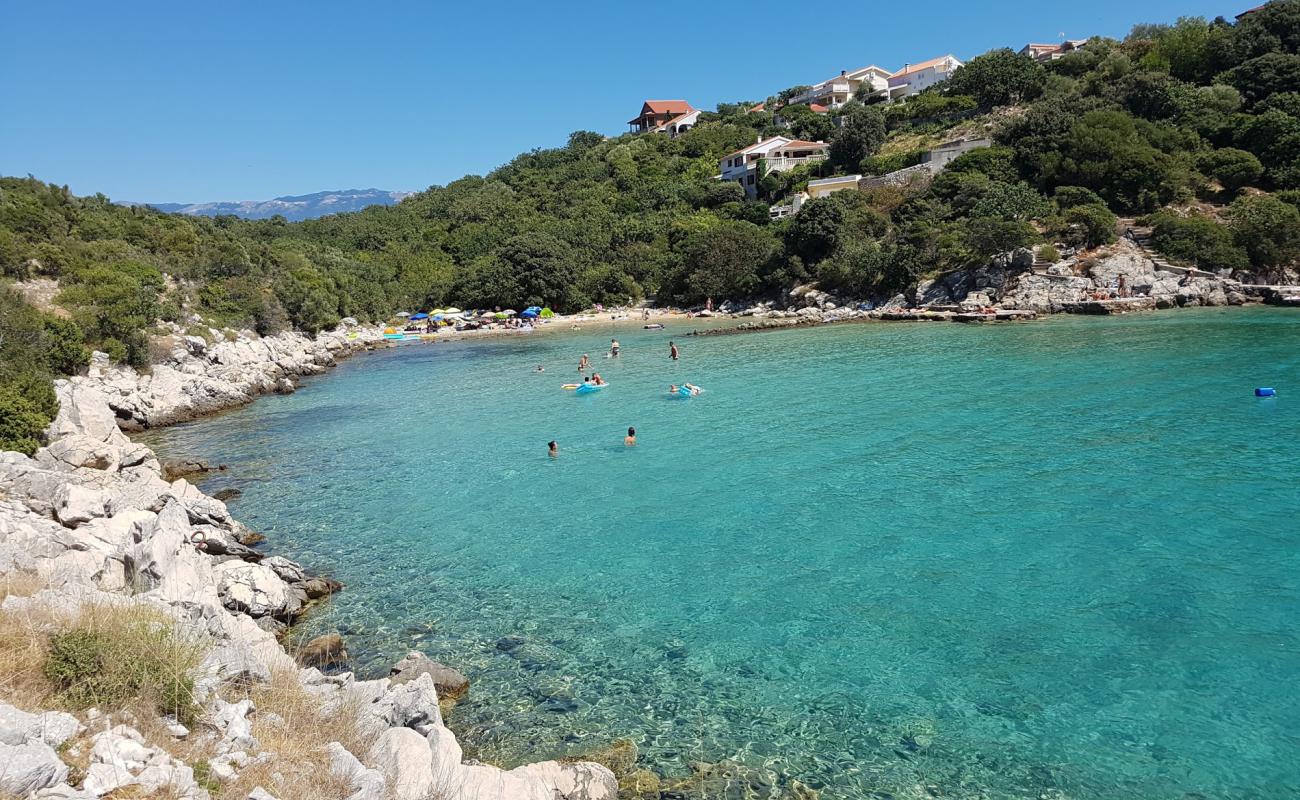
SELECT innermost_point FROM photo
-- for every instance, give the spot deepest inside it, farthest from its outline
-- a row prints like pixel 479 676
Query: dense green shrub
pixel 114 657
pixel 1091 225
pixel 1198 241
pixel 1267 227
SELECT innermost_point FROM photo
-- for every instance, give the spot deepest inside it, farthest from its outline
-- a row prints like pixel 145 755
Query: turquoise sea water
pixel 1049 560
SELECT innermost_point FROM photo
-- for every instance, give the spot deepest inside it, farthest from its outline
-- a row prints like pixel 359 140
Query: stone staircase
pixel 1141 236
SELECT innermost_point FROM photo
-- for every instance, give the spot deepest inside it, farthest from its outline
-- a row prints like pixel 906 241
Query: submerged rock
pixel 451 684
pixel 323 651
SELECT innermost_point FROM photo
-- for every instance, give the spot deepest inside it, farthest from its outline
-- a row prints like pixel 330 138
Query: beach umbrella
pixel 451 310
pixel 401 314
pixel 437 317
pixel 500 315
pixel 421 315
pixel 509 312
pixel 529 314
pixel 547 313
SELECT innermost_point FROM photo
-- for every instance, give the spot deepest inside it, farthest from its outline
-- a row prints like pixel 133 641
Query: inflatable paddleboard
pixel 571 386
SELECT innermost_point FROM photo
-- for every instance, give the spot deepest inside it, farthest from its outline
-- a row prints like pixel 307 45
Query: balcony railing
pixel 771 165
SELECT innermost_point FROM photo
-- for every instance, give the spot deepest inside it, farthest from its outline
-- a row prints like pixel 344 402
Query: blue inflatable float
pixel 1266 391
pixel 588 388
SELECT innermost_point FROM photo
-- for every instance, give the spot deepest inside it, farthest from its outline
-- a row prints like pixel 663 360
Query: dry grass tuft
pixel 291 723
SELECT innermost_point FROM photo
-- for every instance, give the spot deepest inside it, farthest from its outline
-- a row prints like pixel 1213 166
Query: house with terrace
pixel 914 78
pixel 1044 53
pixel 749 165
pixel 673 117
pixel 835 92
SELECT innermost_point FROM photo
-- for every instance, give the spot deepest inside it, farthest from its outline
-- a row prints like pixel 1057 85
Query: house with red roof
pixel 673 117
pixel 749 165
pixel 914 78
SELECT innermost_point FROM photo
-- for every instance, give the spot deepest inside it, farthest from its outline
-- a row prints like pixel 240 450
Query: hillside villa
pixel 1044 53
pixel 839 90
pixel 915 78
pixel 776 154
pixel 673 117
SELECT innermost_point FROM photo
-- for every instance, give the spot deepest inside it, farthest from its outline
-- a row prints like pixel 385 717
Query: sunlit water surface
pixel 1045 560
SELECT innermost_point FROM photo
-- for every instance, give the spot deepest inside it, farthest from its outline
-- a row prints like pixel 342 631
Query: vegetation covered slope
pixel 1196 115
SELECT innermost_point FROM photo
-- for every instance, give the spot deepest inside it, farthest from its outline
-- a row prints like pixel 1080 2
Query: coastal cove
pixel 1048 560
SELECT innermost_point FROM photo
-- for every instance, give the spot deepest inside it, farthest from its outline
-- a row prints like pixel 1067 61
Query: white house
pixel 749 165
pixel 915 78
pixel 1044 53
pixel 839 90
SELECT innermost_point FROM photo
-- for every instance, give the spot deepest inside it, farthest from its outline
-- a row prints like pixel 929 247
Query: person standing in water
pixel 613 348
pixel 552 449
pixel 630 439
pixel 584 364
pixel 672 350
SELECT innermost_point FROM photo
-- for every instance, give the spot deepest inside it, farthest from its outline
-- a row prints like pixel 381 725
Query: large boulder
pixel 403 757
pixel 52 728
pixel 28 768
pixel 253 589
pixel 76 504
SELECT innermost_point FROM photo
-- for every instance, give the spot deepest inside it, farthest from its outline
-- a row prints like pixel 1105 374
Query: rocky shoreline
pixel 90 522
pixel 1012 287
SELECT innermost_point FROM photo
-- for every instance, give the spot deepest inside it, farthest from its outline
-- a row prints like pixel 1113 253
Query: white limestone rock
pixel 77 504
pixel 52 728
pixel 252 589
pixel 27 768
pixel 403 757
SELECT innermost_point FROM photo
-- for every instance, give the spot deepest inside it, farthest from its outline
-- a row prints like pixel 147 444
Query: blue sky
pixel 187 102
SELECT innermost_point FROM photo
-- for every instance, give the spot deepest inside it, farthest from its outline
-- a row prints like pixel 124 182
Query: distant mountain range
pixel 291 207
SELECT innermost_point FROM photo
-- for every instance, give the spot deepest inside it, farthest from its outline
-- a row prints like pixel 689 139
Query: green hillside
pixel 1196 124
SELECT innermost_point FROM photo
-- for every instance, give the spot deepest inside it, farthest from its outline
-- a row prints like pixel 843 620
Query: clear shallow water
pixel 1054 560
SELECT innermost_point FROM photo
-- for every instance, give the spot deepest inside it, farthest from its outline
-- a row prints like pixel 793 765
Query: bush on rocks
pixel 114 658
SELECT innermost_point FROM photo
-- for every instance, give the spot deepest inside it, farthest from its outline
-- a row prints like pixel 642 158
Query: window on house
pixel 750 179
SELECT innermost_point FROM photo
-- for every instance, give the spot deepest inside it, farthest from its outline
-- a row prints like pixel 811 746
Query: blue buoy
pixel 1266 391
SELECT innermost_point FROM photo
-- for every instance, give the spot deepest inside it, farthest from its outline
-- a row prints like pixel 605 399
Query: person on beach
pixel 630 439
pixel 672 350
pixel 645 313
pixel 613 348
pixel 584 363
pixel 552 449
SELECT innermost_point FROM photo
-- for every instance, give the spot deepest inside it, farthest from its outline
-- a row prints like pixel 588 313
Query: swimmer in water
pixel 613 348
pixel 672 350
pixel 630 439
pixel 552 449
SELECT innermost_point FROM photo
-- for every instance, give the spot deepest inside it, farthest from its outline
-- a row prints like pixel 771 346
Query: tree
pixel 1268 229
pixel 1197 240
pixel 1107 152
pixel 1092 225
pixel 989 237
pixel 816 230
pixel 1231 167
pixel 544 270
pixel 1259 78
pixel 861 134
pixel 998 78
pixel 1271 28
pixel 724 261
